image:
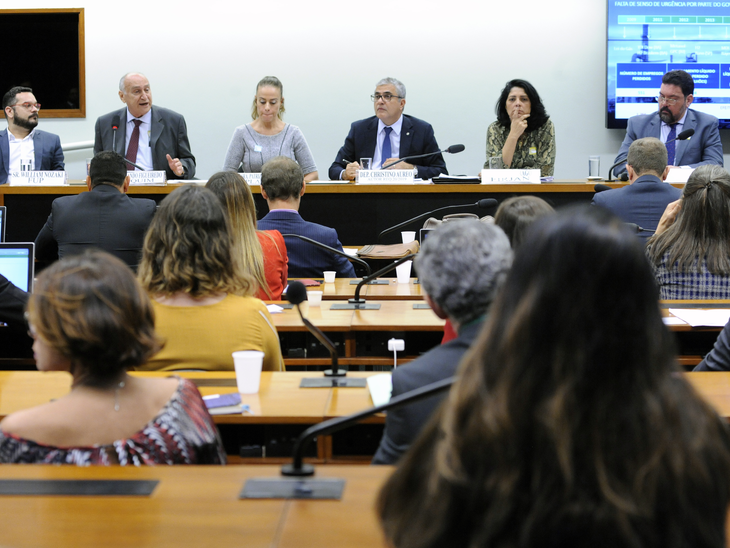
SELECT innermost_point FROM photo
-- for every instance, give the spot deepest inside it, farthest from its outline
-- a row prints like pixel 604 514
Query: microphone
pixel 297 294
pixel 453 149
pixel 329 488
pixel 115 126
pixel 623 177
pixel 356 303
pixel 135 165
pixel 683 136
pixel 357 260
pixel 484 203
pixel 601 188
pixel 636 228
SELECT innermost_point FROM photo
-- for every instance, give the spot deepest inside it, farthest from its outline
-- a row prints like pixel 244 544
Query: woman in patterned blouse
pixel 89 316
pixel 523 135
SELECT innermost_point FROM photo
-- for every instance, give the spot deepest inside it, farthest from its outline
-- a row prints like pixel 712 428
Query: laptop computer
pixel 2 223
pixel 17 263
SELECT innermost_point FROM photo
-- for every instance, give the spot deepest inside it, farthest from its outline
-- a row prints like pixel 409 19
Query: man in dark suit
pixel 387 136
pixel 672 118
pixel 282 186
pixel 103 218
pixel 21 141
pixel 645 199
pixel 151 137
pixel 462 266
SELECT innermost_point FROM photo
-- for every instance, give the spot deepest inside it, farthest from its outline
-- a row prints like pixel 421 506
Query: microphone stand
pixel 391 164
pixel 357 303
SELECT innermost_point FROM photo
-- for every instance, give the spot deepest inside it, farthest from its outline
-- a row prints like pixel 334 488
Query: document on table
pixel 698 317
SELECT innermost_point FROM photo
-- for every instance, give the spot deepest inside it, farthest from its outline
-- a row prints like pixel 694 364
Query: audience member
pixel 516 214
pixel 719 357
pixel 691 248
pixel 89 317
pixel 569 424
pixel 461 266
pixel 203 301
pixel 282 186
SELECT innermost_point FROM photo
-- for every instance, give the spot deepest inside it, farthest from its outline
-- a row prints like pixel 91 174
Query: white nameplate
pixel 384 176
pixel 149 178
pixel 517 176
pixel 253 179
pixel 41 178
pixel 678 175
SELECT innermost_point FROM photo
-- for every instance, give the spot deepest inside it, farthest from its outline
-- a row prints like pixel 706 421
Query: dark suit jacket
pixel 12 303
pixel 403 425
pixel 641 203
pixel 169 136
pixel 307 260
pixel 47 150
pixel 704 147
pixel 416 138
pixel 103 218
pixel 719 357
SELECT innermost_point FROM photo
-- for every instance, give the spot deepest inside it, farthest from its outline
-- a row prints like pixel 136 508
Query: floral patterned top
pixel 183 432
pixel 534 150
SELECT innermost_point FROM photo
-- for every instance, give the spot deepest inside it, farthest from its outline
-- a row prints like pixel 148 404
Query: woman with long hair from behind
pixel 570 424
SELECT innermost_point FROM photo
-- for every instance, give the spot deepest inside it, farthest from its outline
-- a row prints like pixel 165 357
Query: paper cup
pixel 408 236
pixel 314 298
pixel 403 272
pixel 248 364
pixel 329 276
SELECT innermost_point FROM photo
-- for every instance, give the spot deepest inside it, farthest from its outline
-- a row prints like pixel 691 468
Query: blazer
pixel 403 425
pixel 169 136
pixel 307 260
pixel 643 202
pixel 103 218
pixel 719 357
pixel 47 150
pixel 416 138
pixel 704 147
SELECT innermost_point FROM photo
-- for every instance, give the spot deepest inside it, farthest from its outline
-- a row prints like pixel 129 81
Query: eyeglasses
pixel 386 97
pixel 28 105
pixel 671 101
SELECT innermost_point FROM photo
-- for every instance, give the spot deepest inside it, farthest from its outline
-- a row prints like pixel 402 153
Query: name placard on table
pixel 147 178
pixel 40 178
pixel 384 176
pixel 252 178
pixel 507 176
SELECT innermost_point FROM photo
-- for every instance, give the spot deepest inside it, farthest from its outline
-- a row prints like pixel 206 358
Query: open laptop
pixel 17 263
pixel 3 220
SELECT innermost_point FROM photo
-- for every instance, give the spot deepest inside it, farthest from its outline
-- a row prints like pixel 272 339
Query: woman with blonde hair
pixel 263 251
pixel 203 299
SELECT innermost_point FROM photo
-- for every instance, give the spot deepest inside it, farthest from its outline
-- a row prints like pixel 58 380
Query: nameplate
pixel 507 176
pixel 678 175
pixel 384 176
pixel 39 178
pixel 253 179
pixel 147 178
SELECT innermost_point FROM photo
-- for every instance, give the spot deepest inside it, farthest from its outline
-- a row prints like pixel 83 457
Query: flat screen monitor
pixel 3 222
pixel 646 39
pixel 17 263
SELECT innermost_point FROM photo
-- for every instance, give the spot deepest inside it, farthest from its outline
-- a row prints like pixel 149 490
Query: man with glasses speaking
pixel 387 136
pixel 672 118
pixel 22 146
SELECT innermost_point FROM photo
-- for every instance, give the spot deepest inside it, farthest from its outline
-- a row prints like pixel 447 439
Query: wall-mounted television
pixel 647 38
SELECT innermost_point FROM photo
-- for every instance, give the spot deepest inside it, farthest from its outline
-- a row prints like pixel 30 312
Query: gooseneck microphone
pixel 358 303
pixel 357 260
pixel 484 203
pixel 453 149
pixel 115 126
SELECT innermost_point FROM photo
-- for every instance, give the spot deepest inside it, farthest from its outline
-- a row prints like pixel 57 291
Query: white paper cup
pixel 403 272
pixel 408 236
pixel 329 276
pixel 248 364
pixel 314 298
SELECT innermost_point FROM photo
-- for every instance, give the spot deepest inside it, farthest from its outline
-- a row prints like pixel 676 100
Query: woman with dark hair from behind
pixel 263 251
pixel 89 316
pixel 516 214
pixel 569 424
pixel 690 249
pixel 523 135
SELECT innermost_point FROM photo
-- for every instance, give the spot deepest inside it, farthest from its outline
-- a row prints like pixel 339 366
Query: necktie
pixel 670 146
pixel 133 144
pixel 386 145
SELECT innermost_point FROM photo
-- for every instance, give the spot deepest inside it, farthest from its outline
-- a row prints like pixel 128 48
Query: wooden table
pixel 342 289
pixel 192 506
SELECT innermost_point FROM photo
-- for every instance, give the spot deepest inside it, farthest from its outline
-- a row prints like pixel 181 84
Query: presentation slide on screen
pixel 14 266
pixel 648 38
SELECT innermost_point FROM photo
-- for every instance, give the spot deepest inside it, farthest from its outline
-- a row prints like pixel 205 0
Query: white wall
pixel 203 59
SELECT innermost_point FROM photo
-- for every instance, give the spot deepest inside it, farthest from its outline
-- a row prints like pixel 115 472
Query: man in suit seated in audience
pixel 21 141
pixel 462 266
pixel 103 218
pixel 647 196
pixel 154 138
pixel 387 136
pixel 282 186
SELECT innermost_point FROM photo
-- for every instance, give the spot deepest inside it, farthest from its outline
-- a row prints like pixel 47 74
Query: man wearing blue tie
pixel 388 136
pixel 673 117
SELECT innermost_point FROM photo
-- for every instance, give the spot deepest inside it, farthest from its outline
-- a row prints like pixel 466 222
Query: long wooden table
pixel 191 506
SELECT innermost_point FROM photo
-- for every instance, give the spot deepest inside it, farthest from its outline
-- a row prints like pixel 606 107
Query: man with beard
pixel 672 118
pixel 21 141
